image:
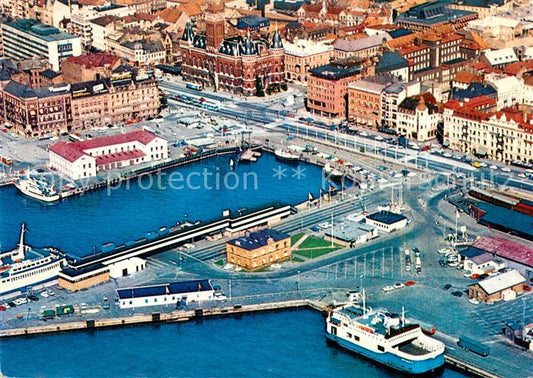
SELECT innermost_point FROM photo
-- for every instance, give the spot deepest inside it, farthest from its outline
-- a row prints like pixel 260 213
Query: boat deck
pixel 412 349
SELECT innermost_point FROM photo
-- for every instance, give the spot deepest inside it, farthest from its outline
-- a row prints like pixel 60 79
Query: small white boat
pixel 37 189
pixel 286 155
pixel 332 172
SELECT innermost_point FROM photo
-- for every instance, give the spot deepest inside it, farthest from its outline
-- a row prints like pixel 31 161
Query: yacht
pixel 384 337
pixel 25 266
pixel 286 155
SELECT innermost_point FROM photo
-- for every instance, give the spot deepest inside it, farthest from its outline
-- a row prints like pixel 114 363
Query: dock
pixel 249 155
pixel 200 313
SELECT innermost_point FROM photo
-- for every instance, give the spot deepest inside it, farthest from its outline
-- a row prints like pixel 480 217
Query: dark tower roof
pixel 188 33
pixel 276 40
pixel 249 47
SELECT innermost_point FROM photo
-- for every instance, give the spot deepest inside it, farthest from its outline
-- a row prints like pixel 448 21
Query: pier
pixel 199 313
pixel 249 155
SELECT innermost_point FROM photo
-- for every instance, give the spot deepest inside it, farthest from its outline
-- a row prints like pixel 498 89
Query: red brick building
pixel 230 64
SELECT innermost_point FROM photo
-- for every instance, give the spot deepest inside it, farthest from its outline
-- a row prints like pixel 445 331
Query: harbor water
pixel 276 344
pixel 198 191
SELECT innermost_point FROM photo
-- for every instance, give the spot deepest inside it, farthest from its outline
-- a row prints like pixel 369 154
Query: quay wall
pixel 197 314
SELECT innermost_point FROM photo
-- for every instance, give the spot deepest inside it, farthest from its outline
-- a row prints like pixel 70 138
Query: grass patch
pixel 314 253
pixel 314 242
pixel 295 238
pixel 219 262
pixel 313 247
pixel 296 259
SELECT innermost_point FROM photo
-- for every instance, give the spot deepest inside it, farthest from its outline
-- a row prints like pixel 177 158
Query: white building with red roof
pixel 89 158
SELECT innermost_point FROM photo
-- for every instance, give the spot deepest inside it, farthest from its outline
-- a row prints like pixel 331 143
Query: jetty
pixel 249 155
pixel 200 313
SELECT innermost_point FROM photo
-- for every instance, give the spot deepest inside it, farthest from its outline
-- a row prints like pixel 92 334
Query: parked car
pixel 2 308
pixel 33 297
pixel 398 285
pixel 386 289
pixel 409 283
pixel 447 287
pixel 457 294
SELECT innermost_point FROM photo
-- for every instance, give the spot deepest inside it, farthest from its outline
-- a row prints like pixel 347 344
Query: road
pixel 424 160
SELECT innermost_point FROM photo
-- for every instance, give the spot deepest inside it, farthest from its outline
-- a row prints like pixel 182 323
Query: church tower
pixel 214 23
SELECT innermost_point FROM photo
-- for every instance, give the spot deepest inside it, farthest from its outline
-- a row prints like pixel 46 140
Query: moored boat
pixel 332 172
pixel 25 266
pixel 286 155
pixel 384 337
pixel 38 189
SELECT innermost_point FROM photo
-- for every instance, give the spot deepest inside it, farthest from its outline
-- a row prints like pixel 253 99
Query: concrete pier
pixel 199 313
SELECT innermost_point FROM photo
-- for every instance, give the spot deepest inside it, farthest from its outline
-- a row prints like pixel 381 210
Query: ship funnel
pixel 20 253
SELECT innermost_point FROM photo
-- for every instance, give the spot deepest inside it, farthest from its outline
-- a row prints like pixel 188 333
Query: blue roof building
pixel 259 249
pixel 431 14
pixel 252 22
pixel 475 90
pixel 165 294
pixel 29 38
pixel 391 61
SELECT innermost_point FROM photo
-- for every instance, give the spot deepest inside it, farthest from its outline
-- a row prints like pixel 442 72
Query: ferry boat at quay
pixel 25 266
pixel 385 338
pixel 38 189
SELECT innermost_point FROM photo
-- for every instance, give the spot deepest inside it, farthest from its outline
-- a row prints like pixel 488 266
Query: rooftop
pixel 259 239
pixel 89 61
pixel 501 56
pixel 506 249
pixel 72 151
pixel 352 45
pixel 349 231
pixel 47 33
pixel 474 90
pixel 434 12
pixel 375 86
pixel 391 61
pixel 501 282
pixel 165 289
pixel 22 91
pixel 336 71
pixel 386 217
pixel 305 47
pixel 506 219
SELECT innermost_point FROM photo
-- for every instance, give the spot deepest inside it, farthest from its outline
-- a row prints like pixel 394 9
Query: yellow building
pixel 259 249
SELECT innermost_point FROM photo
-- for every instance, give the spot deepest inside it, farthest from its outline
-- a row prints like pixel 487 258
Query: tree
pixel 259 92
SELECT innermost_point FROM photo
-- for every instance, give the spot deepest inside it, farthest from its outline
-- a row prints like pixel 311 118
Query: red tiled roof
pixel 142 136
pixel 515 67
pixel 88 61
pixel 66 151
pixel 467 77
pixel 74 151
pixel 507 249
pixel 119 156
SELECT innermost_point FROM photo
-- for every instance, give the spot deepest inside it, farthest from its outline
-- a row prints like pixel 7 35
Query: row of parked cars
pixel 30 297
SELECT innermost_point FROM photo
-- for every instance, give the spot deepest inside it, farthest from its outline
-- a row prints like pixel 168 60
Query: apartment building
pixel 327 88
pixel 303 55
pixel 28 38
pixel 503 135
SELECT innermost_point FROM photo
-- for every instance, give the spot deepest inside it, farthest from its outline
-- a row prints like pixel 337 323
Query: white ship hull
pixel 39 275
pixel 381 337
pixel 285 155
pixel 33 192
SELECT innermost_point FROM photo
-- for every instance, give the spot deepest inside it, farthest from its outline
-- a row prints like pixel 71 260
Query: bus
pixel 196 87
pixel 200 102
pixel 74 138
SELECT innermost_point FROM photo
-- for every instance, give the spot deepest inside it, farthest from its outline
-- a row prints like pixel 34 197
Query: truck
pixel 48 314
pixel 403 141
pixel 474 346
pixel 64 310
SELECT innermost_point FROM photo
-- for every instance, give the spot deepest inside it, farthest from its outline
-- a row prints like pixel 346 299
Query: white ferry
pixel 37 189
pixel 25 267
pixel 286 155
pixel 385 338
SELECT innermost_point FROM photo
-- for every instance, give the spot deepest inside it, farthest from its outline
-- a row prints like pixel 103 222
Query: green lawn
pixel 296 259
pixel 314 247
pixel 219 262
pixel 295 238
pixel 314 242
pixel 313 253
